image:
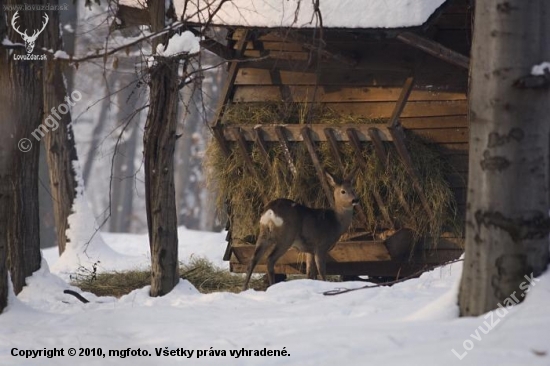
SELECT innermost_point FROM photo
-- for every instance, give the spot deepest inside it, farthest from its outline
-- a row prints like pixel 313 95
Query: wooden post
pixel 280 131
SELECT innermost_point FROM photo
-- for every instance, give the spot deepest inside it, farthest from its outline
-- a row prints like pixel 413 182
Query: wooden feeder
pixel 414 78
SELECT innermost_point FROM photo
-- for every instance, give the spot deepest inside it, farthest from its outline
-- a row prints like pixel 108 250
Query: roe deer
pixel 314 231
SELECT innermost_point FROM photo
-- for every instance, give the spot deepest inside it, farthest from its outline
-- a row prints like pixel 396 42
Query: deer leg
pixel 311 269
pixel 321 260
pixel 261 246
pixel 272 258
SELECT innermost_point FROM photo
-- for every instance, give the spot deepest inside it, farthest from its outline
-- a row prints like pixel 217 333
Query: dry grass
pixel 200 272
pixel 243 193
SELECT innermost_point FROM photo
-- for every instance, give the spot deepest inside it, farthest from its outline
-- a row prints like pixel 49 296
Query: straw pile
pixel 242 193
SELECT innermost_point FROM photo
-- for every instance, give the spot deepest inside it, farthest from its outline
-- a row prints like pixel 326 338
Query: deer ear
pixel 330 180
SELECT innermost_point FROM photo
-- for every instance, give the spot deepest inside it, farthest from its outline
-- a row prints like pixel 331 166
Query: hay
pixel 200 272
pixel 242 193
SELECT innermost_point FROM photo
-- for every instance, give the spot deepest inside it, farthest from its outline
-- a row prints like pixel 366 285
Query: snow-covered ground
pixel 411 323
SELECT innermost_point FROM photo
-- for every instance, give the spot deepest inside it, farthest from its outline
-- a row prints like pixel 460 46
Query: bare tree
pixel 7 148
pixel 159 142
pixel 507 218
pixel 59 143
pixel 25 86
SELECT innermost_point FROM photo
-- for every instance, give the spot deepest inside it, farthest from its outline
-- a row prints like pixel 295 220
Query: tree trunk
pixel 507 221
pixel 159 142
pixel 7 149
pixel 59 142
pixel 25 85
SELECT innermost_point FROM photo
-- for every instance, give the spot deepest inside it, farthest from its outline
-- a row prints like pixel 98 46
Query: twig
pixel 413 275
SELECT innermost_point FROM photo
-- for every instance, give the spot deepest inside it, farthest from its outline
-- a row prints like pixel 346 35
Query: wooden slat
pixel 455 135
pixel 276 46
pixel 229 82
pixel 277 55
pixel 293 132
pixel 417 123
pixel 353 251
pixel 305 132
pixel 254 74
pixel 412 109
pixel 402 99
pixel 258 138
pixel 435 49
pixel 281 135
pixel 399 142
pixel 302 94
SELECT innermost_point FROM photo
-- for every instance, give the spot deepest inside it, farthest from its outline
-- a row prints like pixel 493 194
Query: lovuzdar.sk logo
pixel 29 40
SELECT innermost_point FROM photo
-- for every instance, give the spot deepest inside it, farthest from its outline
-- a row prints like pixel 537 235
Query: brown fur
pixel 313 231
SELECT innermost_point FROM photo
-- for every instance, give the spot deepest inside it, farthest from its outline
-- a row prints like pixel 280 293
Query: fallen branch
pixel 413 275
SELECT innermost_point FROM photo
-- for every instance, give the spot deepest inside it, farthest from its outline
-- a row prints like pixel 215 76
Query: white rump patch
pixel 270 217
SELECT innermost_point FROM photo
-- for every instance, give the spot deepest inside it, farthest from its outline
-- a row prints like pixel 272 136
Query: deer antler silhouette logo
pixel 29 40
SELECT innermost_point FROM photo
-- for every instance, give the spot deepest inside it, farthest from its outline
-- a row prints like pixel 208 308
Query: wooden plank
pixel 417 123
pixel 435 49
pixel 398 135
pixel 258 138
pixel 454 135
pixel 277 55
pixel 272 93
pixel 228 86
pixel 352 251
pixel 404 94
pixel 275 46
pixel 292 132
pixel 412 109
pixel 305 132
pixel 280 132
pixel 447 141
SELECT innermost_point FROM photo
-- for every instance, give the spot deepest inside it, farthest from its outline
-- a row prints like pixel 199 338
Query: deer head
pixel 29 40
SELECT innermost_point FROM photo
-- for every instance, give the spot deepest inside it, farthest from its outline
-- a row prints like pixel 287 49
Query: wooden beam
pixel 262 146
pixel 401 102
pixel 281 136
pixel 317 164
pixel 292 132
pixel 435 49
pixel 228 86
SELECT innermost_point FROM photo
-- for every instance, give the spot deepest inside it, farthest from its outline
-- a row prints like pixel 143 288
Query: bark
pixel 59 142
pixel 159 143
pixel 507 221
pixel 25 86
pixel 124 160
pixel 7 148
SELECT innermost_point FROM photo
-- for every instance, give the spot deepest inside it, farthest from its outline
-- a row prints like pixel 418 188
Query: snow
pixel 541 69
pixel 300 13
pixel 411 323
pixel 185 42
pixel 61 54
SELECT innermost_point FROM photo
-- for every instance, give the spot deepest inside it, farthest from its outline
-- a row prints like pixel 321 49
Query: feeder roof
pixel 301 13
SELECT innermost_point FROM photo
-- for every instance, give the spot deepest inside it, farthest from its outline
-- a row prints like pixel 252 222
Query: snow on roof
pixel 300 13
